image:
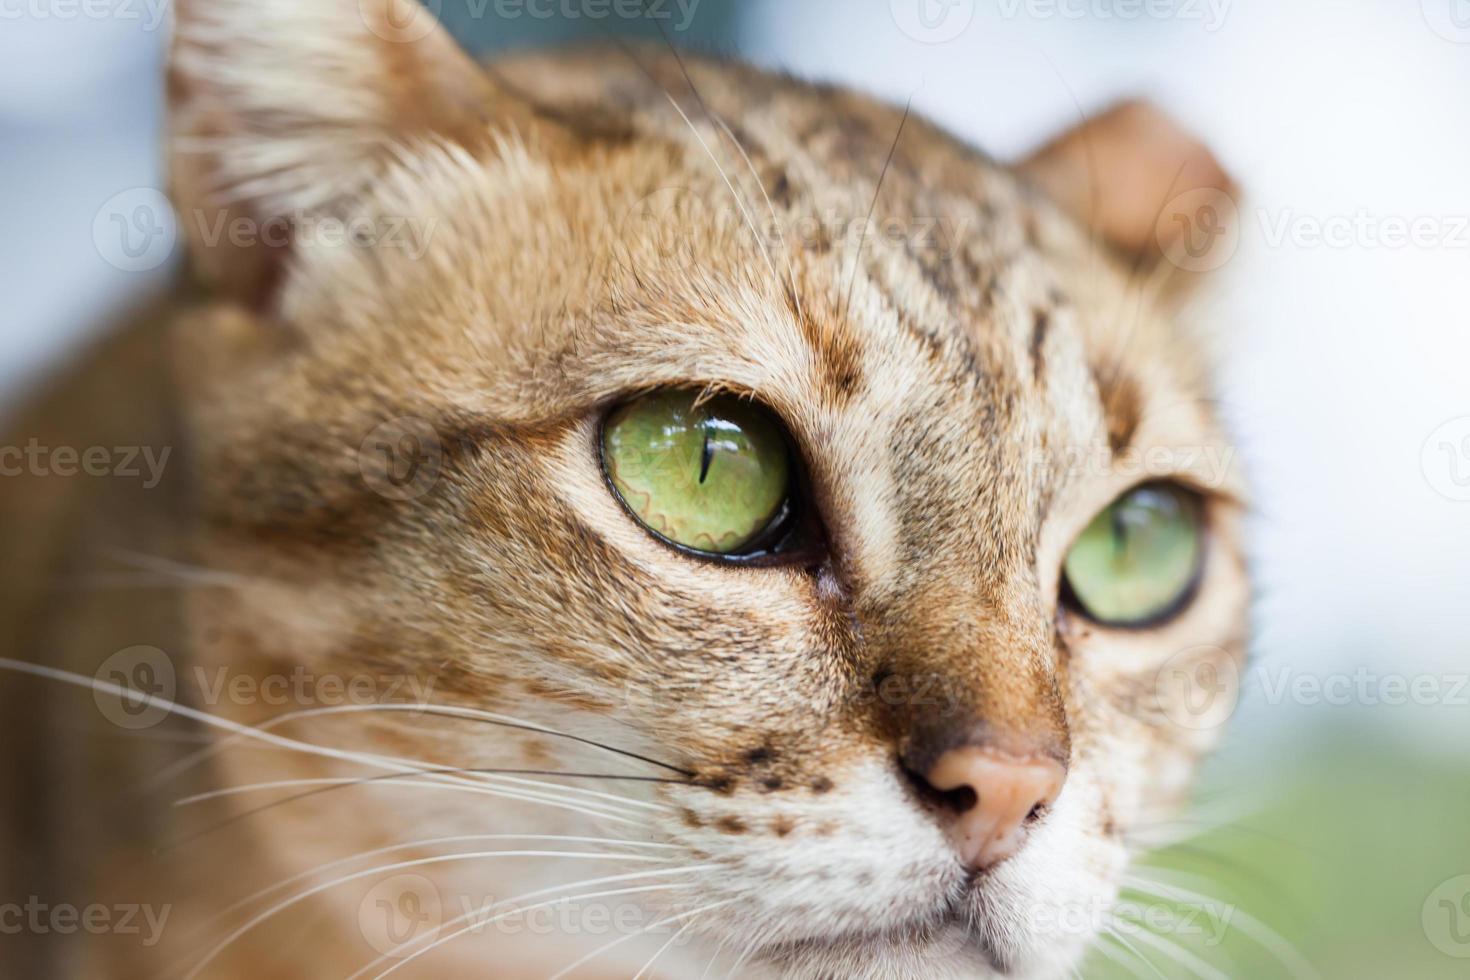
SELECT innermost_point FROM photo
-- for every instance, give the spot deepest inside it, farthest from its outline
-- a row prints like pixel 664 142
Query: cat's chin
pixel 953 950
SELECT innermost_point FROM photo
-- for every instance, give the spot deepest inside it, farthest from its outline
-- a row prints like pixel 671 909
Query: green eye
pixel 713 477
pixel 1139 559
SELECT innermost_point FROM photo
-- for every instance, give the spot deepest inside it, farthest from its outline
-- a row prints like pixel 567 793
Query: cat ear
pixel 1144 184
pixel 281 109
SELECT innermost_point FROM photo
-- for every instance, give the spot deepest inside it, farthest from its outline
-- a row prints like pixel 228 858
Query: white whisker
pixel 714 957
pixel 396 866
pixel 1264 936
pixel 426 842
pixel 739 201
pixel 1179 955
pixel 450 711
pixel 598 809
pixel 771 208
pixel 744 955
pixel 663 949
pixel 526 908
pixel 1121 940
pixel 389 763
pixel 669 920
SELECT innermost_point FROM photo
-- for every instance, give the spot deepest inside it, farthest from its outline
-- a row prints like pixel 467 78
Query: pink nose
pixel 1008 791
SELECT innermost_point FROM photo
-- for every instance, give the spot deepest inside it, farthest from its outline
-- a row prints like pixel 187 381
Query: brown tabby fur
pixel 588 241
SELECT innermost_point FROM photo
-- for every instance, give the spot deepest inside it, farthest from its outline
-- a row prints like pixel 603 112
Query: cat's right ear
pixel 286 109
pixel 1144 185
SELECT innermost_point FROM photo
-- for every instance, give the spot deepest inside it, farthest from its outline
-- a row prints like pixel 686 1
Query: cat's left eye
pixel 714 476
pixel 1139 560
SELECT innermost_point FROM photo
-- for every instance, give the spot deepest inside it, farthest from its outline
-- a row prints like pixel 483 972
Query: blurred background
pixel 1333 834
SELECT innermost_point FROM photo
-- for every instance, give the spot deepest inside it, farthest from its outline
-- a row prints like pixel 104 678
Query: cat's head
pixel 760 430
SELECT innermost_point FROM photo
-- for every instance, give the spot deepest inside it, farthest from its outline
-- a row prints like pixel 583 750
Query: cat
pixel 622 487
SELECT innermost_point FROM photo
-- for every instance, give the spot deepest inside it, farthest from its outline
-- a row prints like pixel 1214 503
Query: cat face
pixel 404 452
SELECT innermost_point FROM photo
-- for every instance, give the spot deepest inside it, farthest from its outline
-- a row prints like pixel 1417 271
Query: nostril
pixel 991 799
pixel 960 799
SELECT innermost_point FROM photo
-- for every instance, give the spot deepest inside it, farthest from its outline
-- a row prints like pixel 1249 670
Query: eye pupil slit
pixel 706 454
pixel 1120 532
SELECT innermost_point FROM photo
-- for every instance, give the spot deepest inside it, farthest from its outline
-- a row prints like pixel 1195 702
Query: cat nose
pixel 993 797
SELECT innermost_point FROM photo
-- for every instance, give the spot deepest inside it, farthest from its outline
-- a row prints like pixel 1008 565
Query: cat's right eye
pixel 1139 560
pixel 714 475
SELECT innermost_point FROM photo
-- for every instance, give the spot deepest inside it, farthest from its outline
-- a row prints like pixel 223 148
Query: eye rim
pixel 794 535
pixel 1199 502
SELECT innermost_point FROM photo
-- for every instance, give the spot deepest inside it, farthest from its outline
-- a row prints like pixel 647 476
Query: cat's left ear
pixel 1144 184
pixel 281 109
